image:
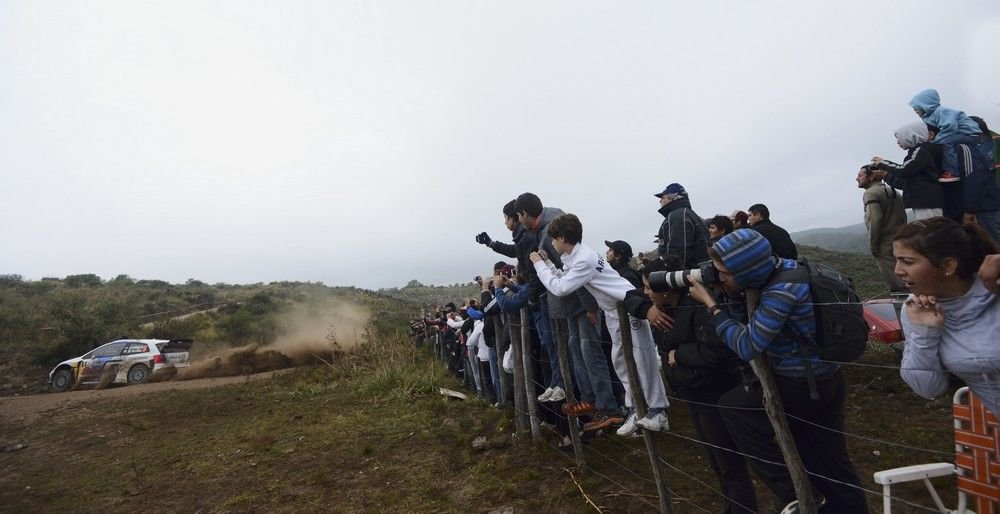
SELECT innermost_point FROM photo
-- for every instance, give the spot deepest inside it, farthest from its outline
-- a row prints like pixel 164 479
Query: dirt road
pixel 28 407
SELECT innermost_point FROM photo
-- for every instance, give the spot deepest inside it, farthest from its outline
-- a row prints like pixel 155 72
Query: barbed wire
pixel 792 416
pixel 675 468
pixel 810 473
pixel 744 455
pixel 817 475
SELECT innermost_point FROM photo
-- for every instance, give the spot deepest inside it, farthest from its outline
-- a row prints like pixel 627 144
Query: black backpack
pixel 841 329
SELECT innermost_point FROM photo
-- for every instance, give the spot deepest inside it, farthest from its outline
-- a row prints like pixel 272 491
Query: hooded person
pixel 953 124
pixel 811 390
pixel 917 176
pixel 954 127
pixel 683 233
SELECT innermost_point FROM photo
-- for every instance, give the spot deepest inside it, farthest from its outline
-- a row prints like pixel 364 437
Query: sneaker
pixel 601 422
pixel 947 176
pixel 628 428
pixel 544 397
pixel 793 506
pixel 557 395
pixel 654 423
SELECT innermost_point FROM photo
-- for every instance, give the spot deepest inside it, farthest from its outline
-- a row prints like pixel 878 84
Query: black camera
pixel 705 273
pixel 478 280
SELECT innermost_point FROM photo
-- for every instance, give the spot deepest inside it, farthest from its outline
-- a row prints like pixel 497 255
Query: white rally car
pixel 125 361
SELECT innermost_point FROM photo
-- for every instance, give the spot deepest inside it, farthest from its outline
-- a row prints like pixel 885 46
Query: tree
pixel 11 279
pixel 82 280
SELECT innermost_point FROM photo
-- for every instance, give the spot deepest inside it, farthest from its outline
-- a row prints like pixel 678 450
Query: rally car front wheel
pixel 62 380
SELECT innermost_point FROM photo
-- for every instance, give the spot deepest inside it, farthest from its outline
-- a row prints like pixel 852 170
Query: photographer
pixel 493 324
pixel 699 368
pixel 810 389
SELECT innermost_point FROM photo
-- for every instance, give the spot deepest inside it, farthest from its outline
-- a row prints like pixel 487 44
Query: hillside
pixel 861 268
pixel 44 322
pixel 851 239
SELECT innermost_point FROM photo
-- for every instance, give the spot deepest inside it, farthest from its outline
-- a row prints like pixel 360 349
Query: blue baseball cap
pixel 672 189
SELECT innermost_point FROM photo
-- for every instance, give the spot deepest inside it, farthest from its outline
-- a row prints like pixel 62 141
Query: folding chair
pixel 977 462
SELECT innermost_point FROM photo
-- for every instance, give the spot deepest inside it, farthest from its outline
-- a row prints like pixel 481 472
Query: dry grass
pixel 368 432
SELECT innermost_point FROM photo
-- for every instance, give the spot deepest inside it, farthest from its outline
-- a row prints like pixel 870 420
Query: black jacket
pixel 979 184
pixel 492 318
pixel 628 273
pixel 683 233
pixel 917 177
pixel 706 367
pixel 781 242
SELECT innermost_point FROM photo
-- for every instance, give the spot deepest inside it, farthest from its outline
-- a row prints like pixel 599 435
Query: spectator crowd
pixel 701 334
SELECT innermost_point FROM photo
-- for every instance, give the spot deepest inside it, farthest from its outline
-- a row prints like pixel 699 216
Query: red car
pixel 883 322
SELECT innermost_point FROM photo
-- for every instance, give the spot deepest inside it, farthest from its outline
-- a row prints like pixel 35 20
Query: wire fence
pixel 636 486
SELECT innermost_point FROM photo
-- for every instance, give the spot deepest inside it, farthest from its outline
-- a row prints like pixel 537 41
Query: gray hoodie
pixel 968 345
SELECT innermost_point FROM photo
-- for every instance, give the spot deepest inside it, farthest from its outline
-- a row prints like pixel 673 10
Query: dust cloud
pixel 311 334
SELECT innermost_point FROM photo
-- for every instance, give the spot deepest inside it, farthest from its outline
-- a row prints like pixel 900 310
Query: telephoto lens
pixel 660 281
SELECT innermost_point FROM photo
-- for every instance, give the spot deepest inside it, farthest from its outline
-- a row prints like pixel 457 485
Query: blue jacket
pixel 513 302
pixel 951 124
pixel 784 307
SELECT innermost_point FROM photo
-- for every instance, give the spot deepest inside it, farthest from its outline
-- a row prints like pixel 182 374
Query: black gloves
pixel 484 239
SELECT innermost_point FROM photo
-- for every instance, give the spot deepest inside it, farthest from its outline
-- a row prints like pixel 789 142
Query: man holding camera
pixel 699 367
pixel 812 391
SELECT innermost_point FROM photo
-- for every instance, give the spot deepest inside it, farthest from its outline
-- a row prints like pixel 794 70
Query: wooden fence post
pixel 562 347
pixel 761 366
pixel 639 403
pixel 520 405
pixel 529 376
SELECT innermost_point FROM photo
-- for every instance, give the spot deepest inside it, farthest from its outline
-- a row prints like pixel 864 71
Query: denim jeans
pixel 495 374
pixel 546 337
pixel 580 377
pixel 596 364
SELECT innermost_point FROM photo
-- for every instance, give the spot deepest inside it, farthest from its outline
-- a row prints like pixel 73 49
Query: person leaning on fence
pixel 573 308
pixel 584 268
pixel 699 368
pixel 811 391
pixel 951 320
pixel 492 324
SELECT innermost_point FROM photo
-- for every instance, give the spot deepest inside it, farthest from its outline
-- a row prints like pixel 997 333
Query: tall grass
pixel 387 364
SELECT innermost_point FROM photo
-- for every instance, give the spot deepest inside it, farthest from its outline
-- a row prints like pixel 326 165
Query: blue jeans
pixel 596 363
pixel 495 373
pixel 580 376
pixel 547 338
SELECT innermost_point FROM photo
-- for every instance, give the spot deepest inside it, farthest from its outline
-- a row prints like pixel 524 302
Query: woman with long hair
pixel 951 320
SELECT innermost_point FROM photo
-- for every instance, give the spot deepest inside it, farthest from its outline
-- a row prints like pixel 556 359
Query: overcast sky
pixel 366 143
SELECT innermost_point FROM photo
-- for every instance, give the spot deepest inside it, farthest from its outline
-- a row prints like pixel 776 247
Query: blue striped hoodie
pixel 749 257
